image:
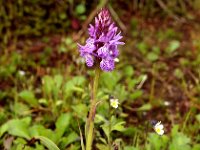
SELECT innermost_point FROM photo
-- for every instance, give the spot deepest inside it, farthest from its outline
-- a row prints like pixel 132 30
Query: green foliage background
pixel 45 85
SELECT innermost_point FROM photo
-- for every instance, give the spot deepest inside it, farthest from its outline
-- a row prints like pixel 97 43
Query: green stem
pixel 109 136
pixel 90 121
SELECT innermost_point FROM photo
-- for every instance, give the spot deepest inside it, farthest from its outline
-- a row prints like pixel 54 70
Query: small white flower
pixel 159 128
pixel 166 103
pixel 114 103
pixel 22 73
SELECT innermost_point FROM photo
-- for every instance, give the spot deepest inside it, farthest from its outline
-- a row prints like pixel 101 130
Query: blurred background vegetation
pixel 44 84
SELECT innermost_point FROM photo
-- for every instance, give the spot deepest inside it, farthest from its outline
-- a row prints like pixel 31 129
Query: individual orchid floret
pixel 114 103
pixel 101 47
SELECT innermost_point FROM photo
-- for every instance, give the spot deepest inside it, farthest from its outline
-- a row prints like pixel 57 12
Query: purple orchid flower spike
pixel 102 45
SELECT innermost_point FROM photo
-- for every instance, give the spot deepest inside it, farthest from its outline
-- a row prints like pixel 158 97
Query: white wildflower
pixel 114 103
pixel 158 127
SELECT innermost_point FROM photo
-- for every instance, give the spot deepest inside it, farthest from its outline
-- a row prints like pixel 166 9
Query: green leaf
pixel 48 84
pixel 120 92
pixel 81 110
pixel 152 56
pixel 79 80
pixel 198 118
pixel 130 148
pixel 112 77
pixel 136 94
pixel 40 130
pixel 47 142
pixel 29 97
pixel 99 118
pixel 154 141
pixel 105 128
pixel 80 9
pixel 17 127
pixel 196 147
pixel 119 126
pixel 173 45
pixel 73 136
pixel 145 107
pixel 115 126
pixel 178 73
pixel 180 142
pixel 58 80
pixel 74 86
pixel 102 146
pixel 157 142
pixel 143 47
pixel 20 108
pixel 62 124
pixel 128 71
pixel 63 16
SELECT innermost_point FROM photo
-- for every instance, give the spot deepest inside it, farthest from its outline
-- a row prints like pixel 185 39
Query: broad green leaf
pixel 105 128
pixel 102 146
pixel 48 84
pixel 99 118
pixel 120 92
pixel 63 16
pixel 21 109
pixel 62 124
pixel 109 80
pixel 74 85
pixel 17 127
pixel 81 110
pixel 180 142
pixel 68 90
pixel 19 141
pixel 119 126
pixel 174 130
pixel 173 45
pixel 178 73
pixel 58 79
pixel 115 126
pixel 143 47
pixel 80 9
pixel 40 130
pixel 29 97
pixel 48 143
pixel 20 147
pixel 73 136
pixel 145 107
pixel 130 148
pixel 196 147
pixel 152 56
pixel 156 50
pixel 128 71
pixel 154 141
pixel 136 94
pixel 198 118
pixel 130 131
pixel 79 80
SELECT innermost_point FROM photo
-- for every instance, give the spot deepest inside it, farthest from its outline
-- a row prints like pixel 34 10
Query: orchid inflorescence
pixel 102 44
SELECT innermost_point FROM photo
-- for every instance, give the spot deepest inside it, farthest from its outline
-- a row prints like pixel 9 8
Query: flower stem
pixel 109 127
pixel 90 121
